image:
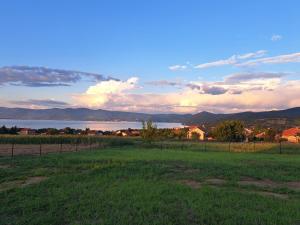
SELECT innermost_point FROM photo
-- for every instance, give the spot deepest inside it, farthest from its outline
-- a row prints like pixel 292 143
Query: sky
pixel 179 56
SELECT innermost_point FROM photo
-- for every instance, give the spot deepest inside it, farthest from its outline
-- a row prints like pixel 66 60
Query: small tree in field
pixel 149 131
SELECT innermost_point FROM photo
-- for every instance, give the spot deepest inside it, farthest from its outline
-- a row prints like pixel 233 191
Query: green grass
pixel 132 185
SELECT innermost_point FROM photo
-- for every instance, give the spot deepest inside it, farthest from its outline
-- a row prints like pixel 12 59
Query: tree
pixel 231 130
pixel 270 135
pixel 149 131
pixel 195 136
pixel 182 134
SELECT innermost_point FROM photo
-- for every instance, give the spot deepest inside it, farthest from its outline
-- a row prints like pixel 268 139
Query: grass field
pixel 134 185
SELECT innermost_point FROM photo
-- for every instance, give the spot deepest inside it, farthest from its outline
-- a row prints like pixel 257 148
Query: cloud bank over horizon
pixel 235 92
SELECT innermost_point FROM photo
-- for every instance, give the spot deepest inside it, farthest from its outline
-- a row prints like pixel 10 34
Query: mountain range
pixel 283 118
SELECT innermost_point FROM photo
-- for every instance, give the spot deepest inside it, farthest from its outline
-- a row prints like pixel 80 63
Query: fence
pixel 39 145
pixel 209 146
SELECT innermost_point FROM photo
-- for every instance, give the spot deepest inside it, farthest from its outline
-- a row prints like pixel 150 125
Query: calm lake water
pixel 93 125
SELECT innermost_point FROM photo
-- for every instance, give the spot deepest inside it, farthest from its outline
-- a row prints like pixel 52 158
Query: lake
pixel 93 125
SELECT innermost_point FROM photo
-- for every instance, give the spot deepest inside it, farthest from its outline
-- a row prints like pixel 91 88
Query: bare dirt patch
pixel 295 185
pixel 216 181
pixel 33 180
pixel 3 166
pixel 266 183
pixel 10 185
pixel 21 183
pixel 259 183
pixel 272 194
pixel 191 183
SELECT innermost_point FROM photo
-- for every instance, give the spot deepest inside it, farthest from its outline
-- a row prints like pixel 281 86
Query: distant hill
pixel 280 118
pixel 86 114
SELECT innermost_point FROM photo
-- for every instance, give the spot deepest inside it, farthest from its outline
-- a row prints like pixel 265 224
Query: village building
pixel 292 135
pixel 27 131
pixel 195 130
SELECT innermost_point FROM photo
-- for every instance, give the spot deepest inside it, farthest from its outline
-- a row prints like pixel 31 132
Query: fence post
pixel 60 149
pixel 76 144
pixel 280 147
pixel 229 147
pixel 12 149
pixel 40 148
pixel 90 142
pixel 254 145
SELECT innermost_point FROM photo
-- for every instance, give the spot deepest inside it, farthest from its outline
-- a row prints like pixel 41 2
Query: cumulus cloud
pixel 43 103
pixel 177 67
pixel 106 91
pixel 276 37
pixel 44 77
pixel 261 91
pixel 233 60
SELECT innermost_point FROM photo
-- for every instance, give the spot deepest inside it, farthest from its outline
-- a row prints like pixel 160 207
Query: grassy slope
pixel 140 186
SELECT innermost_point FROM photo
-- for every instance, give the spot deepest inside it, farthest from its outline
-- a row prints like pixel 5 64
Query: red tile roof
pixel 291 132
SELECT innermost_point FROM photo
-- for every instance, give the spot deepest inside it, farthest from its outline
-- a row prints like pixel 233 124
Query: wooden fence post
pixel 12 149
pixel 40 148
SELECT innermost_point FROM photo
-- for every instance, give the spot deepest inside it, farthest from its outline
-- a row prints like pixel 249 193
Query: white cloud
pixel 276 37
pixel 177 67
pixel 233 60
pixel 105 91
pixel 281 59
pixel 257 93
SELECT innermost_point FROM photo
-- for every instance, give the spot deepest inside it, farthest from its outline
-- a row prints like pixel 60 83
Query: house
pixel 292 135
pixel 195 130
pixel 27 131
pixel 94 133
pixel 121 133
pixel 261 135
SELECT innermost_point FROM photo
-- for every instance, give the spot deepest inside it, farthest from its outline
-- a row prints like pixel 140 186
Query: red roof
pixel 291 132
pixel 193 127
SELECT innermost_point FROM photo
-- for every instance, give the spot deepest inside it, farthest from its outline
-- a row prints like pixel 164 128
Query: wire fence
pixel 39 145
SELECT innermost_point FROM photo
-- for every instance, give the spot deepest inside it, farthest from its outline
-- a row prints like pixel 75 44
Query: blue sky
pixel 144 39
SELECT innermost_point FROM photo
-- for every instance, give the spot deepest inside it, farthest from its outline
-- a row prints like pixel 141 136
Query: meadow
pixel 133 184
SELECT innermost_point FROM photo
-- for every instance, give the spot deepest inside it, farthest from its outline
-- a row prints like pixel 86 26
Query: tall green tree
pixel 231 130
pixel 149 131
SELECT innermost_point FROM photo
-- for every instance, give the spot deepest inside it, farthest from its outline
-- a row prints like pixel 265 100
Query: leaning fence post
pixel 12 149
